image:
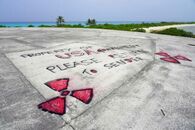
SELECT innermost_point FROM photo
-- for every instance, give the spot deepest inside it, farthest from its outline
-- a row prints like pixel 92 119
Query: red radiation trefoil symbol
pixel 57 105
pixel 172 59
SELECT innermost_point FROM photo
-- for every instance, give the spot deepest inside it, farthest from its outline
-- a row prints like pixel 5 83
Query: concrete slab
pixel 102 79
pixel 85 66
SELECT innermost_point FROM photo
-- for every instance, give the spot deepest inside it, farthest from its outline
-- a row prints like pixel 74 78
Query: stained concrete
pixel 149 94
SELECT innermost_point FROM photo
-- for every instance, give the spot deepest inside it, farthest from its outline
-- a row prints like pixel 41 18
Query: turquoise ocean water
pixel 25 24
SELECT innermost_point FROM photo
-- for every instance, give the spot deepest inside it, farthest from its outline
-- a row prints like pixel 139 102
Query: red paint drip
pixel 163 54
pixel 170 59
pixel 84 95
pixel 56 105
pixel 179 57
pixel 58 85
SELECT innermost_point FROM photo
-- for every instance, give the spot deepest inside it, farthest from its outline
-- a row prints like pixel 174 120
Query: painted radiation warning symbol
pixel 57 105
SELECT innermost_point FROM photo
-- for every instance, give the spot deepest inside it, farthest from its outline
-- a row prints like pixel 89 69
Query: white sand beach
pixel 148 30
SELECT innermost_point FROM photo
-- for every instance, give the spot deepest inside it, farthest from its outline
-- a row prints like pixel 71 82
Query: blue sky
pixel 101 10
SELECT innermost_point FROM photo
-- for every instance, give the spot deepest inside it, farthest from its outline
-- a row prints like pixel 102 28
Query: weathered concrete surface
pixel 144 94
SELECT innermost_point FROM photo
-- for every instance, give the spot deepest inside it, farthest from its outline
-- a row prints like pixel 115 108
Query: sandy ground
pixel 93 79
pixel 166 27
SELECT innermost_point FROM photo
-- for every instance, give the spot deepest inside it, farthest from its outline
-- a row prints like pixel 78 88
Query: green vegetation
pixel 60 21
pixel 175 32
pixel 30 26
pixel 46 26
pixel 2 26
pixel 131 27
pixel 91 22
pixel 124 27
pixel 64 26
pixel 71 26
pixel 139 30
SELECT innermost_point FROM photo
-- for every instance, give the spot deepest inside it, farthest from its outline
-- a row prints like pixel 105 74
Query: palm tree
pixel 93 21
pixel 88 22
pixel 60 20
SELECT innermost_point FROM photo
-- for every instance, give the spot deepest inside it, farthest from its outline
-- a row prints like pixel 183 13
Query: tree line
pixel 60 21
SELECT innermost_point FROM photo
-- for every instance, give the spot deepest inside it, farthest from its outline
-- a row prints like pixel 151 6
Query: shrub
pixel 2 26
pixel 71 26
pixel 30 25
pixel 139 30
pixel 45 26
pixel 175 32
